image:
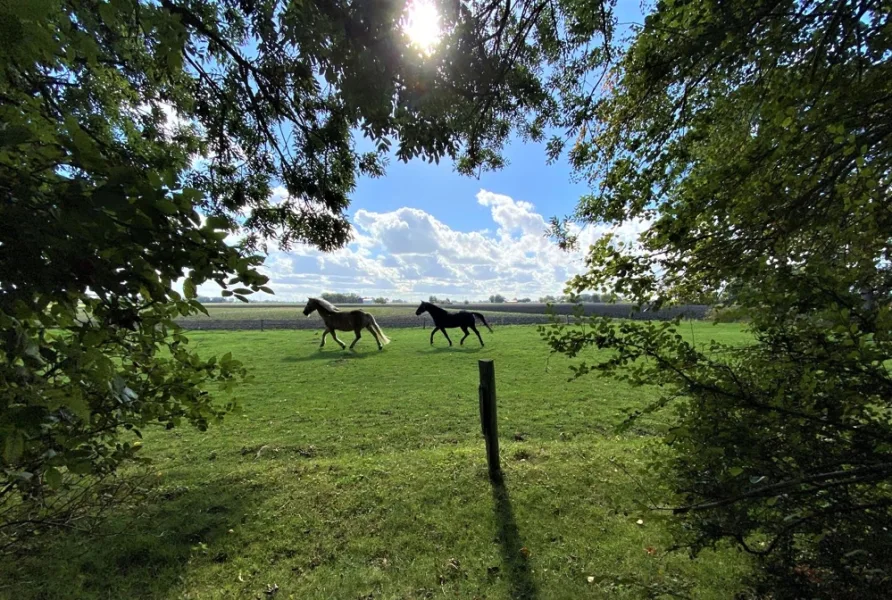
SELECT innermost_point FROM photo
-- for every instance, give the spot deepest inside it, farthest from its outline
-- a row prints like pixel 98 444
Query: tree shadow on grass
pixel 136 552
pixel 456 348
pixel 331 355
pixel 520 580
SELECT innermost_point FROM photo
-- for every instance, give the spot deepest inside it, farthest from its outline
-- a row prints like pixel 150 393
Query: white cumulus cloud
pixel 409 254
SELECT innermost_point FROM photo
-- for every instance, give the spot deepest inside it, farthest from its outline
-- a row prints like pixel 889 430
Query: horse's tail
pixel 384 339
pixel 482 320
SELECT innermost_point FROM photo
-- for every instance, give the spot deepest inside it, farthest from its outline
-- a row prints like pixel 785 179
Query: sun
pixel 422 24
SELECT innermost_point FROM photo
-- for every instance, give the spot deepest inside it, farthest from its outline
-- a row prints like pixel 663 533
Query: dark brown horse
pixel 351 320
pixel 443 319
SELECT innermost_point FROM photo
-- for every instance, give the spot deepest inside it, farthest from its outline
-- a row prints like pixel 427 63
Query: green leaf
pixel 108 14
pixel 77 405
pixel 216 222
pixel 189 288
pixel 13 447
pixel 735 471
pixel 33 9
pixel 82 143
pixel 13 135
pixel 166 206
pixel 53 478
pixel 81 467
pixel 31 349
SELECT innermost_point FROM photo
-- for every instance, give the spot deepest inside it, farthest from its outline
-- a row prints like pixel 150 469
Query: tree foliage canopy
pixel 755 138
pixel 342 298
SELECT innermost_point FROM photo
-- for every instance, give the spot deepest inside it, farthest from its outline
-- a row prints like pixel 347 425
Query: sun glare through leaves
pixel 422 24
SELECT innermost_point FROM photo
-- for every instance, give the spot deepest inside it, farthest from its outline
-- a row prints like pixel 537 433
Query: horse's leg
pixel 324 333
pixel 358 333
pixel 478 335
pixel 432 334
pixel 335 336
pixel 465 329
pixel 375 335
pixel 445 335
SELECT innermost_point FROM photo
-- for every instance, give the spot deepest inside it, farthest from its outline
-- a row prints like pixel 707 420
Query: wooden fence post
pixel 488 421
pixel 261 324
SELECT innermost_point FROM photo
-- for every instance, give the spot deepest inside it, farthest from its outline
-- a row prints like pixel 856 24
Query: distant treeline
pixel 215 299
pixel 352 298
pixel 336 298
pixel 339 298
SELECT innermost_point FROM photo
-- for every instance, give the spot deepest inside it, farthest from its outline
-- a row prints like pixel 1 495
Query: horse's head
pixel 310 307
pixel 421 308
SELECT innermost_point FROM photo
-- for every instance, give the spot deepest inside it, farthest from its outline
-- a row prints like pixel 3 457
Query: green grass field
pixel 362 476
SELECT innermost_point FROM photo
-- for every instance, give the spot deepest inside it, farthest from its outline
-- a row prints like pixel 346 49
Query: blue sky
pixel 423 230
pixel 442 192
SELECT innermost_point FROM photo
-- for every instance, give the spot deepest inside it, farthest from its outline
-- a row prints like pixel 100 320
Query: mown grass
pixel 362 475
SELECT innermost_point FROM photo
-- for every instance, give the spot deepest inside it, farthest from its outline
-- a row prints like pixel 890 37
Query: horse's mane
pixel 431 305
pixel 325 304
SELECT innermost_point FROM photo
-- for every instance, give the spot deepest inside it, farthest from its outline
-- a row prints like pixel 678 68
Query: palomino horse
pixel 352 320
pixel 444 319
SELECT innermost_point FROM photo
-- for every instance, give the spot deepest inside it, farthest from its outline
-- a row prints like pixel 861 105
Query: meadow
pixel 271 315
pixel 237 311
pixel 289 311
pixel 363 476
